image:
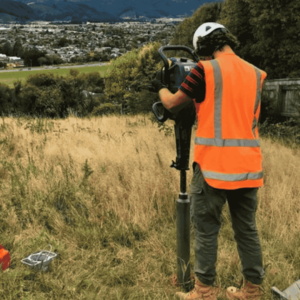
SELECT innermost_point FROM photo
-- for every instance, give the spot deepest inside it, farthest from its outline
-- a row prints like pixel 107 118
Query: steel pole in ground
pixel 183 234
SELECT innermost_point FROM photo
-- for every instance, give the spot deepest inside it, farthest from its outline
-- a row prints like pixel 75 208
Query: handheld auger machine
pixel 173 76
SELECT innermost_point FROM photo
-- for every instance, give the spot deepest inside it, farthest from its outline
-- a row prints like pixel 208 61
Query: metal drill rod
pixel 183 234
pixel 182 181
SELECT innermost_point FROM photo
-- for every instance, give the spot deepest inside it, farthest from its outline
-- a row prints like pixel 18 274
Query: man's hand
pixel 157 85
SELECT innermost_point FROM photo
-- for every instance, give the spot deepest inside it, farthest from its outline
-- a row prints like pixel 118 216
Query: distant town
pixel 43 43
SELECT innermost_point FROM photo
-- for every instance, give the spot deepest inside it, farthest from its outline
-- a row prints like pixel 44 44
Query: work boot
pixel 201 291
pixel 247 291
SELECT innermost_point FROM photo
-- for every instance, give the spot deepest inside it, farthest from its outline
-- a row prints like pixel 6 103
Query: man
pixel 227 158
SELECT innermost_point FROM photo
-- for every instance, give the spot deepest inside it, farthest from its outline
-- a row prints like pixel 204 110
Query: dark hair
pixel 216 41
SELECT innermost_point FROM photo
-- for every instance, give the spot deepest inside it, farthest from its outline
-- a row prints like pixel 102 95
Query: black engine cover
pixel 179 69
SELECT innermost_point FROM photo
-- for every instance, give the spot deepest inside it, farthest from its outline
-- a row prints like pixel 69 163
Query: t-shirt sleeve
pixel 194 83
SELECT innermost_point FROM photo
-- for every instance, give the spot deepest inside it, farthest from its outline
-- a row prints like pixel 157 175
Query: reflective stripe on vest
pixel 218 141
pixel 258 78
pixel 232 177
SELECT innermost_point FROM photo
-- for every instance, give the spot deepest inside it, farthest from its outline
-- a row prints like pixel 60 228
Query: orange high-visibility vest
pixel 227 146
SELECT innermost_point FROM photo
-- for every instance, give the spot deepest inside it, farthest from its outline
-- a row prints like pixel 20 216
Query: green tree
pixel 42 61
pixel 54 59
pixel 63 42
pixel 32 55
pixel 18 49
pixel 269 33
pixel 235 16
pixel 276 26
pixel 7 48
pixel 209 12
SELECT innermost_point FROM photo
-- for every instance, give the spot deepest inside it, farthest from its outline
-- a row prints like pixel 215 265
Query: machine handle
pixel 160 112
pixel 165 59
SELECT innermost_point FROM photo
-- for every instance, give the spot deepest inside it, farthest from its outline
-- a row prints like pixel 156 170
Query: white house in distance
pixel 14 58
pixel 16 61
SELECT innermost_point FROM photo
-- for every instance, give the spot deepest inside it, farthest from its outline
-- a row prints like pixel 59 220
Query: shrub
pixel 105 109
pixel 28 98
pixel 93 79
pixel 49 103
pixel 40 80
pixel 49 96
pixel 5 98
pixel 74 72
pixel 130 76
pixel 98 89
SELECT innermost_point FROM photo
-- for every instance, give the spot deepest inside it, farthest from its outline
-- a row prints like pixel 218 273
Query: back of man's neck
pixel 226 49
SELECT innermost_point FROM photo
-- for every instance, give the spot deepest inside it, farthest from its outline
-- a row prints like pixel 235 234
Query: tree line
pixel 268 32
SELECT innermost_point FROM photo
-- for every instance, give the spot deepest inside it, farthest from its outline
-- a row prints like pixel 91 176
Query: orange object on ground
pixel 4 258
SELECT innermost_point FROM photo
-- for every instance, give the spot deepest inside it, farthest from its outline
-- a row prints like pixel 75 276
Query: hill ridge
pixel 98 10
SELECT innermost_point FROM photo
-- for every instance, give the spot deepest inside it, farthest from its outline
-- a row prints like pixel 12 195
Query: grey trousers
pixel 206 212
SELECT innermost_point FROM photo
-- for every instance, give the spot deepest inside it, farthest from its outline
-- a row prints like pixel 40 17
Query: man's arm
pixel 174 102
pixel 193 87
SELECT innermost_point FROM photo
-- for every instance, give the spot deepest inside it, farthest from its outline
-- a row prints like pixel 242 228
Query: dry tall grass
pixel 101 192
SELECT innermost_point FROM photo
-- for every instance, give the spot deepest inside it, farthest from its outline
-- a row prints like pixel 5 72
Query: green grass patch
pixel 9 78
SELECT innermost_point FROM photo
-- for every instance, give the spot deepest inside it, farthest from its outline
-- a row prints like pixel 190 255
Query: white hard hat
pixel 204 30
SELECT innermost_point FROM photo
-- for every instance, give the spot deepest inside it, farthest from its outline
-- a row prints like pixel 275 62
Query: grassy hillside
pixel 101 192
pixel 9 78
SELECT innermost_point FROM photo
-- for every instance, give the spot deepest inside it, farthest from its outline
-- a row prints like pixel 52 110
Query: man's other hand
pixel 157 85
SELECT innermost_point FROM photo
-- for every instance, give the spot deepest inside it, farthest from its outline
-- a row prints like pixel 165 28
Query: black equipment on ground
pixel 172 76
